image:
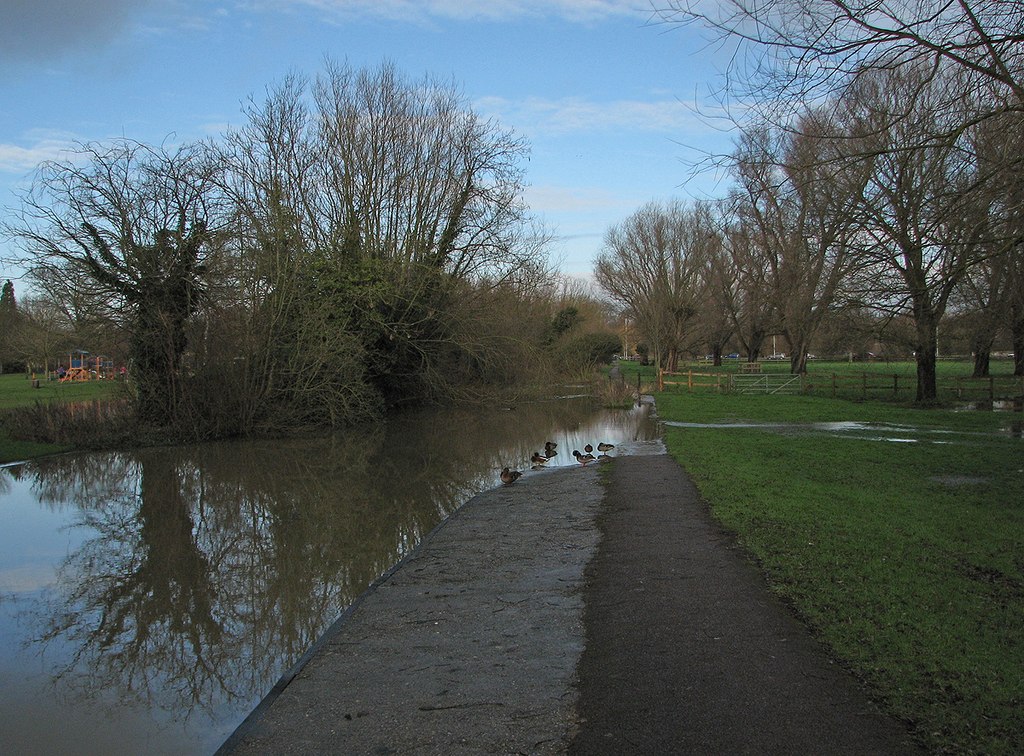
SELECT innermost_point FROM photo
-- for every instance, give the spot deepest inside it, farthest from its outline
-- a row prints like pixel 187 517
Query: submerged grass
pixel 907 558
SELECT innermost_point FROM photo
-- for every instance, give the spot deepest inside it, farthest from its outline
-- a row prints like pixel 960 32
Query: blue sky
pixel 604 97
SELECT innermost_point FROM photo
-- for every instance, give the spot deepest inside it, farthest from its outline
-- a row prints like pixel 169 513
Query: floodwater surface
pixel 149 599
pixel 900 434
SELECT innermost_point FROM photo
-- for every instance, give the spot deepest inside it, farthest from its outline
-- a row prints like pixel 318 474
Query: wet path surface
pixel 562 614
pixel 686 650
pixel 470 646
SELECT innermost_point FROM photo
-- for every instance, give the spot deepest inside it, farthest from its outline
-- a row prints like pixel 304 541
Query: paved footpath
pixel 564 615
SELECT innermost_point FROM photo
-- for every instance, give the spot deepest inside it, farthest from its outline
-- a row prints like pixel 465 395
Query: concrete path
pixel 471 646
pixel 562 615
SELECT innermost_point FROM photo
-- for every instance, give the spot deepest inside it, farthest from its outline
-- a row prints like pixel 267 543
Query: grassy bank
pixel 902 545
pixel 18 391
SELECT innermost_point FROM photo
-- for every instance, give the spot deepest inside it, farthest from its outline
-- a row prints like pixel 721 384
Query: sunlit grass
pixel 18 392
pixel 906 557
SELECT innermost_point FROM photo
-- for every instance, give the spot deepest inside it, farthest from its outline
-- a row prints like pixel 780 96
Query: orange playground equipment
pixel 83 366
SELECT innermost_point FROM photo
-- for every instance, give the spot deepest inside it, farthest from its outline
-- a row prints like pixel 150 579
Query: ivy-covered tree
pixel 130 223
pixel 8 323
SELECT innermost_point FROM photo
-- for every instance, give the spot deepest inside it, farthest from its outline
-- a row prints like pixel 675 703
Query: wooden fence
pixel 865 385
pixel 692 380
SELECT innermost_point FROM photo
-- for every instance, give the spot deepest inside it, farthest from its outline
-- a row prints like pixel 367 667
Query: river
pixel 150 598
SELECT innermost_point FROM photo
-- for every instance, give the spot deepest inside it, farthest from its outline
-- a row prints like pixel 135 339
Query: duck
pixel 582 458
pixel 508 477
pixel 588 449
pixel 549 448
pixel 538 458
pixel 603 447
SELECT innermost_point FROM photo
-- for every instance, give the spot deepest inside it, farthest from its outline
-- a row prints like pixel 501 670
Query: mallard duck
pixel 605 447
pixel 508 477
pixel 538 458
pixel 549 448
pixel 588 449
pixel 582 458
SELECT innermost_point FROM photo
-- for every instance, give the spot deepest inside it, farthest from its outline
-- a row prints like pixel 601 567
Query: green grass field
pixel 886 381
pixel 899 540
pixel 18 391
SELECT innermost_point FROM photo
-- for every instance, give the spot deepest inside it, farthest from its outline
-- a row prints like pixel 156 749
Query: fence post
pixel 833 385
pixel 864 384
pixel 895 386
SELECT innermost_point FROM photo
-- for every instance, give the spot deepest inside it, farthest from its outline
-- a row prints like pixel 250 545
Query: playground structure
pixel 83 366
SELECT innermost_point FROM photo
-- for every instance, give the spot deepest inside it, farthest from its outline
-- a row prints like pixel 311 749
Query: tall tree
pixel 650 263
pixel 998 144
pixel 801 197
pixel 131 222
pixel 379 213
pixel 8 323
pixel 744 272
pixel 919 219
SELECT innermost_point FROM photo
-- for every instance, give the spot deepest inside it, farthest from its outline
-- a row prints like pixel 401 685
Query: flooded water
pixel 898 434
pixel 149 599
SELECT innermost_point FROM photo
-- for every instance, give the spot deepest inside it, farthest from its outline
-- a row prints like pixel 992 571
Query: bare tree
pixel 920 227
pixel 998 143
pixel 801 196
pixel 133 223
pixel 375 219
pixel 799 50
pixel 651 264
pixel 44 336
pixel 716 324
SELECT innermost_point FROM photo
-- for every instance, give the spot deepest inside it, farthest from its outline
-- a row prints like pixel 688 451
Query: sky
pixel 613 104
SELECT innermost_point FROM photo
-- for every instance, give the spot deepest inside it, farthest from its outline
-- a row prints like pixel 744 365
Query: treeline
pixel 876 176
pixel 360 242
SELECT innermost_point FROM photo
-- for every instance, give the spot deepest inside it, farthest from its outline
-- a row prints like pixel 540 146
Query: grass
pixel 17 392
pixel 906 558
pixel 885 381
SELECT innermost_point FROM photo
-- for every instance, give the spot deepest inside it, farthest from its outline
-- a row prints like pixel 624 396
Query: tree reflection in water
pixel 208 570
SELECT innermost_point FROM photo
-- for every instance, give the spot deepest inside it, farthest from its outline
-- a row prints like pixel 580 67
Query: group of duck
pixel 540 459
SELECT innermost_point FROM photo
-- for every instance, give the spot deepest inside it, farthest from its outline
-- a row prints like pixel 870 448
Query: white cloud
pixel 419 11
pixel 43 146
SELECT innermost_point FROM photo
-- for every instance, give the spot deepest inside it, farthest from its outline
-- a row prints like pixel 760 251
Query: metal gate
pixel 766 383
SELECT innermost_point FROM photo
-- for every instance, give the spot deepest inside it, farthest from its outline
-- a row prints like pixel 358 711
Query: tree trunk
pixel 926 350
pixel 1017 329
pixel 982 355
pixel 798 362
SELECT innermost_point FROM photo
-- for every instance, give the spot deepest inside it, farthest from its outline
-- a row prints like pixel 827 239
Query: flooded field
pixel 149 599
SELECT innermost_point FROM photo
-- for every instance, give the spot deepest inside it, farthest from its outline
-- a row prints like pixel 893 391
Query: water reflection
pixel 189 579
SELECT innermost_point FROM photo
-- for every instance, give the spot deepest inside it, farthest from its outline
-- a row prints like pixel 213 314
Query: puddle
pixel 887 432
